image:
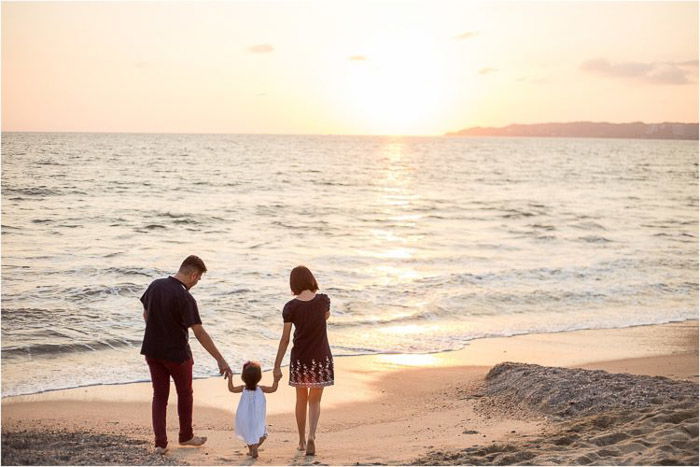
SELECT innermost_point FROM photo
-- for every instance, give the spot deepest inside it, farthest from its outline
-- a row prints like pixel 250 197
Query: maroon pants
pixel 161 371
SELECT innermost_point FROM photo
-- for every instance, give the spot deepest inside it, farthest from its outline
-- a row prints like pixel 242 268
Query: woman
pixel 311 362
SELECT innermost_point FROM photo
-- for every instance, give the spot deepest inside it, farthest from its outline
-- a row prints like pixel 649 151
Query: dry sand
pixel 403 409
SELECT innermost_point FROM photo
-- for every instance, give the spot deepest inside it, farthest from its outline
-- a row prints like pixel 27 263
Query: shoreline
pixel 464 348
pixel 390 408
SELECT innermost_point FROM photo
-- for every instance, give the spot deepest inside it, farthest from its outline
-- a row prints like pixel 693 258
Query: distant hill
pixel 666 130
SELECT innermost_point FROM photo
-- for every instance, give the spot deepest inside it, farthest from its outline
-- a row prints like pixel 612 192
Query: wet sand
pixel 403 409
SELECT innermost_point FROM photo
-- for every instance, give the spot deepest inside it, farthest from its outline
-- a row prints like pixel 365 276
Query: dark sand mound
pixel 60 447
pixel 600 419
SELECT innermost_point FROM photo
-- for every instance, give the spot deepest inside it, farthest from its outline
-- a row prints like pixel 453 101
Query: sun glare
pixel 400 88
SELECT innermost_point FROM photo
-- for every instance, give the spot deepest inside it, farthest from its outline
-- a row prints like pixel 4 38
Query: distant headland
pixel 639 130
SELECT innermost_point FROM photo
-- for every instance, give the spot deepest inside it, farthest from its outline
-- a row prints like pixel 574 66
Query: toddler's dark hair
pixel 251 375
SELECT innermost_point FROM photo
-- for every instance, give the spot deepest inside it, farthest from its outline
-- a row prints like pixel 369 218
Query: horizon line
pixel 327 134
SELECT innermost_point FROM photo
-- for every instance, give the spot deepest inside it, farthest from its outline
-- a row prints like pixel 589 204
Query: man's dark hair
pixel 251 375
pixel 301 279
pixel 193 264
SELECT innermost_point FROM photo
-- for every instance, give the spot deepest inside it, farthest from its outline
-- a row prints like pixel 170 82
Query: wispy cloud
pixel 261 48
pixel 357 58
pixel 650 72
pixel 486 70
pixel 466 35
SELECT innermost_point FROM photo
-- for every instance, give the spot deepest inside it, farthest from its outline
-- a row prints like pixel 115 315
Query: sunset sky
pixel 355 67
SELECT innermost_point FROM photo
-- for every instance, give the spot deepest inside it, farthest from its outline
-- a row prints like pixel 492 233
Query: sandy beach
pixel 551 405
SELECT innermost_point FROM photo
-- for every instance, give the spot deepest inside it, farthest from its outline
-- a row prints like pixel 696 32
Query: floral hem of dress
pixel 311 385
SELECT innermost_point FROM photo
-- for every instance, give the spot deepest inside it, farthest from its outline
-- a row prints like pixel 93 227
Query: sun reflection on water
pixel 396 253
pixel 398 272
pixel 394 199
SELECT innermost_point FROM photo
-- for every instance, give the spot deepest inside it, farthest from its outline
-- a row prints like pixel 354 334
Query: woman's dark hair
pixel 251 375
pixel 301 279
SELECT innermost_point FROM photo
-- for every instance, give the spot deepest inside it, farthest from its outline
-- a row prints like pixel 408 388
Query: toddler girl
pixel 250 415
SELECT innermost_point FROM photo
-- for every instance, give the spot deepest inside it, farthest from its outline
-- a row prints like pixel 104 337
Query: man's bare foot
pixel 262 440
pixel 302 446
pixel 160 450
pixel 195 441
pixel 254 451
pixel 310 447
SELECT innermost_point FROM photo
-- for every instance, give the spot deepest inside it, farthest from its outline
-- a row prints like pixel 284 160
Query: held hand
pixel 277 374
pixel 224 369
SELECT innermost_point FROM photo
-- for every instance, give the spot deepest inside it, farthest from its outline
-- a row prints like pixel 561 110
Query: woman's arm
pixel 281 350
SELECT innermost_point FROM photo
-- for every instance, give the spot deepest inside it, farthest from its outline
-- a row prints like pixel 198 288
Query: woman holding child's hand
pixel 311 362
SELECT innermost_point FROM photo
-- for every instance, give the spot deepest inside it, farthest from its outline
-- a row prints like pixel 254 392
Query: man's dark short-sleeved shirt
pixel 171 311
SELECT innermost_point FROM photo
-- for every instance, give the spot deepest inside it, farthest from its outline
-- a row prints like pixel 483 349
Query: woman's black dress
pixel 311 363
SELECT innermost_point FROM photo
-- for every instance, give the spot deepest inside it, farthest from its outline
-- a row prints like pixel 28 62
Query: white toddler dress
pixel 250 416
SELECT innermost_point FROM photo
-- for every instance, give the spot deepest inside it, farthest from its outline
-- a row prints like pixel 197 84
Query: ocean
pixel 423 243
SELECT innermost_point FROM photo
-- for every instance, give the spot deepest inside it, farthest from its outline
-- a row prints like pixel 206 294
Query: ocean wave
pixel 674 235
pixel 173 215
pixel 349 319
pixel 587 226
pixel 33 191
pixel 186 222
pixel 113 254
pixel 63 348
pixel 131 271
pixel 100 292
pixel 593 239
pixel 542 227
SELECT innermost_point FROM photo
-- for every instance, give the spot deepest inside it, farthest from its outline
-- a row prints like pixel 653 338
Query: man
pixel 169 311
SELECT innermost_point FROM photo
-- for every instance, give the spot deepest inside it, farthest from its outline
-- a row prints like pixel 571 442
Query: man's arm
pixel 281 350
pixel 208 344
pixel 145 314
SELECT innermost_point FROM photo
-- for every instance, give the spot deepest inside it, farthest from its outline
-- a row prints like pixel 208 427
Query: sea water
pixel 422 243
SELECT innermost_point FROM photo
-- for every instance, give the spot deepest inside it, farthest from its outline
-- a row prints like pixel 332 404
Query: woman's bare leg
pixel 314 414
pixel 302 400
